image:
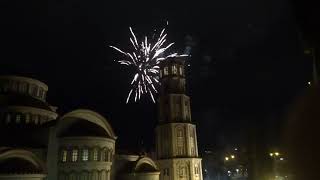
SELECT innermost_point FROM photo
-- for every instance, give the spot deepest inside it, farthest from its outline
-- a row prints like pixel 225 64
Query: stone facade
pixel 79 145
pixel 132 167
pixel 176 137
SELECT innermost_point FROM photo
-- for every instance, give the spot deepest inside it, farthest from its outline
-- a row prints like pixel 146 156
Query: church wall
pixel 52 155
pixel 92 160
pixel 141 176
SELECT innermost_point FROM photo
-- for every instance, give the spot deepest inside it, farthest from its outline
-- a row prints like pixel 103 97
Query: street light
pixel 226 158
pixel 232 156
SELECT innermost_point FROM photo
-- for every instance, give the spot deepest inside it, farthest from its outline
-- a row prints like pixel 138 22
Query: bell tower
pixel 176 137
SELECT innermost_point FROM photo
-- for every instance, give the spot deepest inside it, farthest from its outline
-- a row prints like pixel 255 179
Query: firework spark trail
pixel 146 57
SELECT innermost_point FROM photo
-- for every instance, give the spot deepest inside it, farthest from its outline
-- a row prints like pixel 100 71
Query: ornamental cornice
pixel 85 166
pixel 32 110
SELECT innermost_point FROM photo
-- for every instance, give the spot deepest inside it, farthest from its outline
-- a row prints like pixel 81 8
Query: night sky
pixel 247 63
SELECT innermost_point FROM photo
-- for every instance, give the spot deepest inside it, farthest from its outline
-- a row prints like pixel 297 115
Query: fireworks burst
pixel 145 57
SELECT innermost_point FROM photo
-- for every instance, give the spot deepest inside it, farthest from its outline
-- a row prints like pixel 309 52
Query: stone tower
pixel 176 137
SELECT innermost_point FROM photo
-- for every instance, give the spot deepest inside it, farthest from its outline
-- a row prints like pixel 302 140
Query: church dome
pixel 18 161
pixel 24 86
pixel 144 165
pixel 81 127
pixel 18 166
pixel 83 122
pixel 23 100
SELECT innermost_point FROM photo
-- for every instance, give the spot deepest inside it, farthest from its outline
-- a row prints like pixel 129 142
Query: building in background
pixel 225 164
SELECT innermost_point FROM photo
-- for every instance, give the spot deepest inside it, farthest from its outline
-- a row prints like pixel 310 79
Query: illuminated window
pixel 85 155
pixel 27 118
pixel 74 155
pixel 180 70
pixel 166 72
pixel 103 155
pixel 109 155
pixel 160 73
pixel 64 155
pixel 95 154
pixel 174 69
pixel 18 118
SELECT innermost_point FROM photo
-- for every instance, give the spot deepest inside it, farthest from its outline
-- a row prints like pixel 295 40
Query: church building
pixel 176 136
pixel 37 143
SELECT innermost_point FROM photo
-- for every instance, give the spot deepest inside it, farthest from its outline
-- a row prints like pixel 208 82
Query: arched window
pixel 180 70
pixel 183 171
pixel 111 155
pixel 40 93
pixel 18 118
pixel 166 172
pixel 180 141
pixel 34 91
pixel 85 154
pixel 196 169
pixel 103 155
pixel 174 69
pixel 27 118
pixel 74 155
pixel 179 132
pixel 95 154
pixel 64 154
pixel 166 72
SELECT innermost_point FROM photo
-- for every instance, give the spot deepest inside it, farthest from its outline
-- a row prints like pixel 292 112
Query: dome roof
pixel 140 165
pixel 84 122
pixel 144 165
pixel 84 128
pixel 22 100
pixel 18 166
pixel 19 161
